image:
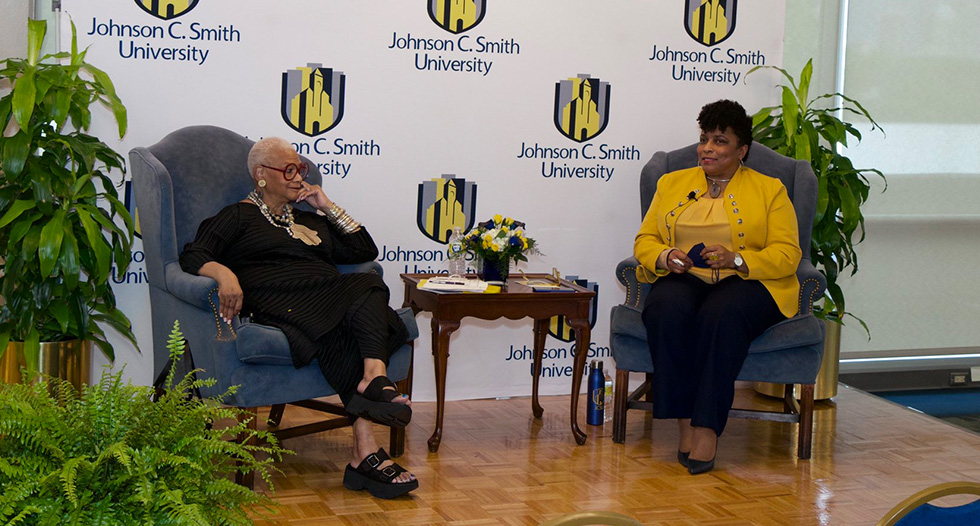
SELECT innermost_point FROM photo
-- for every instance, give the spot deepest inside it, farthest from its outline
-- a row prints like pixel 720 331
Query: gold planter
pixel 826 386
pixel 69 360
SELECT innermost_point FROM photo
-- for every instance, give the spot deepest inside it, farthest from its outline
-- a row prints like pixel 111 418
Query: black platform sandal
pixel 376 404
pixel 378 481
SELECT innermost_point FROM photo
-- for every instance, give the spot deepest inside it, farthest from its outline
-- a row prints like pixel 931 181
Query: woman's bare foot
pixel 365 444
pixel 372 369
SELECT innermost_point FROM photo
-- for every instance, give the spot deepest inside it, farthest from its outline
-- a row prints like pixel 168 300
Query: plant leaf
pixel 790 114
pixel 35 36
pixel 19 207
pixel 25 93
pixel 50 247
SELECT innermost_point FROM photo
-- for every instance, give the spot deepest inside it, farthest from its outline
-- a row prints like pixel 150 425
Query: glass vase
pixel 495 269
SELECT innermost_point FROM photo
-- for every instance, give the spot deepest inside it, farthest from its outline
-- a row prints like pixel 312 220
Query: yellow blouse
pixel 705 221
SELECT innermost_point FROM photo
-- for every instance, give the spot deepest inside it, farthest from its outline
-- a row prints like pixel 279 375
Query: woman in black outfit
pixel 278 266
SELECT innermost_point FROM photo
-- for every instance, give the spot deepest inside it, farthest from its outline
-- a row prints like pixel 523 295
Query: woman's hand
pixel 229 296
pixel 717 256
pixel 229 290
pixel 678 262
pixel 314 196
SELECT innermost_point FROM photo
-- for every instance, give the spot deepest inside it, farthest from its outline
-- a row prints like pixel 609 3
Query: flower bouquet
pixel 497 242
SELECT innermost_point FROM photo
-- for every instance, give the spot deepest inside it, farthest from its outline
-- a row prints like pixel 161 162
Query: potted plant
pixel 809 128
pixel 495 243
pixel 60 232
pixel 110 454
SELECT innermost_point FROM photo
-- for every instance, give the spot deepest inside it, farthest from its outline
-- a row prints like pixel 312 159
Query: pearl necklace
pixel 286 221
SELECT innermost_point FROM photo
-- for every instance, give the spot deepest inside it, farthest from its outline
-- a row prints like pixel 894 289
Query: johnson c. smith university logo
pixel 457 16
pixel 166 9
pixel 710 21
pixel 445 203
pixel 581 107
pixel 558 325
pixel 312 98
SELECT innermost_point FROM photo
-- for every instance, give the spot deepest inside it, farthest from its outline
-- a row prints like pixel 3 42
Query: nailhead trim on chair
pixel 812 293
pixel 623 279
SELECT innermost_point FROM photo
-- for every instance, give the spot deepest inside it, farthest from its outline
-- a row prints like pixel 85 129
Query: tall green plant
pixel 59 236
pixel 111 455
pixel 809 129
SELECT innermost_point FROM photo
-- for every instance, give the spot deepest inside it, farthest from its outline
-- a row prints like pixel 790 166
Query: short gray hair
pixel 264 149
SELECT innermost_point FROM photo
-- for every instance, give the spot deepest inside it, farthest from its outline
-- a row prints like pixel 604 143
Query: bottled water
pixel 456 261
pixel 608 402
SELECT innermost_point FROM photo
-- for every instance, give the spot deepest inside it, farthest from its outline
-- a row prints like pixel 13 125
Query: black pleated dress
pixel 297 287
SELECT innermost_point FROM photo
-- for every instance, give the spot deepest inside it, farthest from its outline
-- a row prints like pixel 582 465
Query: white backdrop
pixel 406 119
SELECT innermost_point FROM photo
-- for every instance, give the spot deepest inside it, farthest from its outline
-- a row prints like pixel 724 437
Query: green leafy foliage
pixel 809 129
pixel 110 455
pixel 62 226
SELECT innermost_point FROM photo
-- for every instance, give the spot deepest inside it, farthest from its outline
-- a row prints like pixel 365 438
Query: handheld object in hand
pixel 695 255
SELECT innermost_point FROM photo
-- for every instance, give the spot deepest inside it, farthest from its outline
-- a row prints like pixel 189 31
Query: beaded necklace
pixel 286 221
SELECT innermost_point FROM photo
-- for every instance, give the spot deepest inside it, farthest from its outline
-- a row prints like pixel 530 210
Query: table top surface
pixel 516 286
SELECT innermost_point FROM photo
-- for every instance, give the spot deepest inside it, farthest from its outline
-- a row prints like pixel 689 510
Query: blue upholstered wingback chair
pixel 789 352
pixel 188 176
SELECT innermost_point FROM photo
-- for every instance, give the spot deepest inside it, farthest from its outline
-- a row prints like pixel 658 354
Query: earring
pixel 261 183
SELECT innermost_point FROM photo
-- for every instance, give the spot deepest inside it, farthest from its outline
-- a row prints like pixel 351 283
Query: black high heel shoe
pixel 697 467
pixel 682 457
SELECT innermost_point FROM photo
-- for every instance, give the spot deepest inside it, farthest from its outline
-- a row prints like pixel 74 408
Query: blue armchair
pixel 788 353
pixel 188 176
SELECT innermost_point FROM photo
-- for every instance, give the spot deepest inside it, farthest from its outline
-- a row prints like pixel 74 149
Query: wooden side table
pixel 515 301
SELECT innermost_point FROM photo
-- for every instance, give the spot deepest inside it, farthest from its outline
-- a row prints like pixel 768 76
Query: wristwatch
pixel 738 260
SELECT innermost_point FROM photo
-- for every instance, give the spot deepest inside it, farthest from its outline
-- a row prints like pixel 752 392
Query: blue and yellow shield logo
pixel 312 99
pixel 558 326
pixel 581 107
pixel 167 9
pixel 457 16
pixel 445 203
pixel 710 22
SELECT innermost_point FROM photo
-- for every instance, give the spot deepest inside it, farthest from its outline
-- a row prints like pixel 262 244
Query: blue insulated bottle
pixel 597 392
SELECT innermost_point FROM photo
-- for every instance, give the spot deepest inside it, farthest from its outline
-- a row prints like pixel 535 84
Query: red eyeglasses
pixel 292 170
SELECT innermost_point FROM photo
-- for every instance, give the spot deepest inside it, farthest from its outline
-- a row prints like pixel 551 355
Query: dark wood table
pixel 515 301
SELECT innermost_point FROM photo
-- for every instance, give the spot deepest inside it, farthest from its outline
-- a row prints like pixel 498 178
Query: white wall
pixel 13 28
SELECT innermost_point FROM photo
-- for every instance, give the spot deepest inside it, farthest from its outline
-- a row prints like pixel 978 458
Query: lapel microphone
pixel 691 196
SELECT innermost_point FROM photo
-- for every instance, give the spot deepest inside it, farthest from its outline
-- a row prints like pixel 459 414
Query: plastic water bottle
pixel 456 263
pixel 607 403
pixel 597 394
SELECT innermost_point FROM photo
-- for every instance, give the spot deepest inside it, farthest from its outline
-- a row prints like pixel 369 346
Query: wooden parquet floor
pixel 499 465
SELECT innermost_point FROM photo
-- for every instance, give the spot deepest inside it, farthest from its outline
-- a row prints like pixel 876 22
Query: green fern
pixel 111 455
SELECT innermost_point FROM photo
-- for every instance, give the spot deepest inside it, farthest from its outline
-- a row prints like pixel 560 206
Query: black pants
pixel 699 336
pixel 370 329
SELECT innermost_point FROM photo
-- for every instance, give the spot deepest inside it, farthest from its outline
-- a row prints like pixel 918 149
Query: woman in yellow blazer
pixel 720 244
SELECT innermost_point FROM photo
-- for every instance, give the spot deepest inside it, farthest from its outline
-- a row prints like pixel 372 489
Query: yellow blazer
pixel 764 229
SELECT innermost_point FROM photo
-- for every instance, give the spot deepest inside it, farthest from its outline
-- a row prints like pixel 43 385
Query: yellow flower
pixel 525 243
pixel 497 219
pixel 508 221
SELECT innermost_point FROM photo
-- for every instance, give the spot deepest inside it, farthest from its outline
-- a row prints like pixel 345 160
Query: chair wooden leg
pixel 620 392
pixel 806 421
pixel 649 395
pixel 250 413
pixel 275 414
